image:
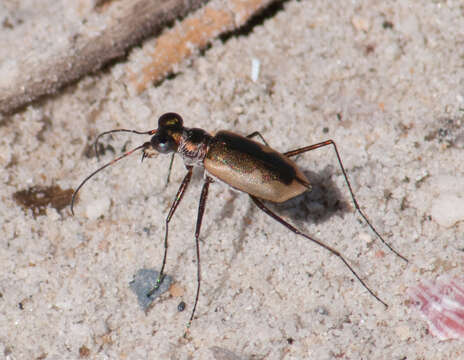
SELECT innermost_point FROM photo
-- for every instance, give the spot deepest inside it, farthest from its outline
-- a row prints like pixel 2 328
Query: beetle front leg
pixel 177 200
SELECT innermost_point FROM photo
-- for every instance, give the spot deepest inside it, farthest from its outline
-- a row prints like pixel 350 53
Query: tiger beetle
pixel 246 165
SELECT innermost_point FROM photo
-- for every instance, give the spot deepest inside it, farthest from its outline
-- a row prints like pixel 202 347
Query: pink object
pixel 441 302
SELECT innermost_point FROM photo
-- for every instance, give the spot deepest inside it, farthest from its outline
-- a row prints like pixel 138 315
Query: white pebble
pixel 97 207
pixel 255 65
pixel 448 209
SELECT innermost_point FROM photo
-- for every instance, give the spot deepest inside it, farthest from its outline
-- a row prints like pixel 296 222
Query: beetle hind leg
pixel 276 217
pixel 353 198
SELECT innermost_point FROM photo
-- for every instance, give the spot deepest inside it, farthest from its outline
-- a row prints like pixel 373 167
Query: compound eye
pixel 164 146
pixel 163 143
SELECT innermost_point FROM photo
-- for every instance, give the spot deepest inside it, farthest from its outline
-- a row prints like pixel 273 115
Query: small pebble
pixel 144 281
pixel 97 207
pixel 181 306
pixel 255 65
pixel 448 209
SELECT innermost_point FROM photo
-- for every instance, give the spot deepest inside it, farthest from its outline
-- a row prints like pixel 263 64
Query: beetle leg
pixel 355 202
pixel 178 198
pixel 169 170
pixel 201 210
pixel 318 242
pixel 257 133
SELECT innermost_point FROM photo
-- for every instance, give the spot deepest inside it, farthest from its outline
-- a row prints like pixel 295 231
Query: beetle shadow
pixel 320 204
pixel 324 200
pixel 316 206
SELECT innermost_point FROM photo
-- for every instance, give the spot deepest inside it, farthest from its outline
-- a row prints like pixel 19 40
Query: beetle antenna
pixel 150 132
pixel 103 167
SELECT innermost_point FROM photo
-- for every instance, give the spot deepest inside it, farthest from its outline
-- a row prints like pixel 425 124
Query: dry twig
pixel 192 34
pixel 125 23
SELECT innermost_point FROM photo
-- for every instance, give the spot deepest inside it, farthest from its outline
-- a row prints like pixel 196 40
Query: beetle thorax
pixel 193 146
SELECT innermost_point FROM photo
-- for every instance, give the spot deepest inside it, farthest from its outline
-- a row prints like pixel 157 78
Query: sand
pixel 383 80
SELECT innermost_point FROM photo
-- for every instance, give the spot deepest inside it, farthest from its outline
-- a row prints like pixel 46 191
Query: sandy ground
pixel 384 81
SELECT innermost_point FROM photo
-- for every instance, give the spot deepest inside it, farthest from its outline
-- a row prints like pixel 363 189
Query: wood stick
pixel 125 23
